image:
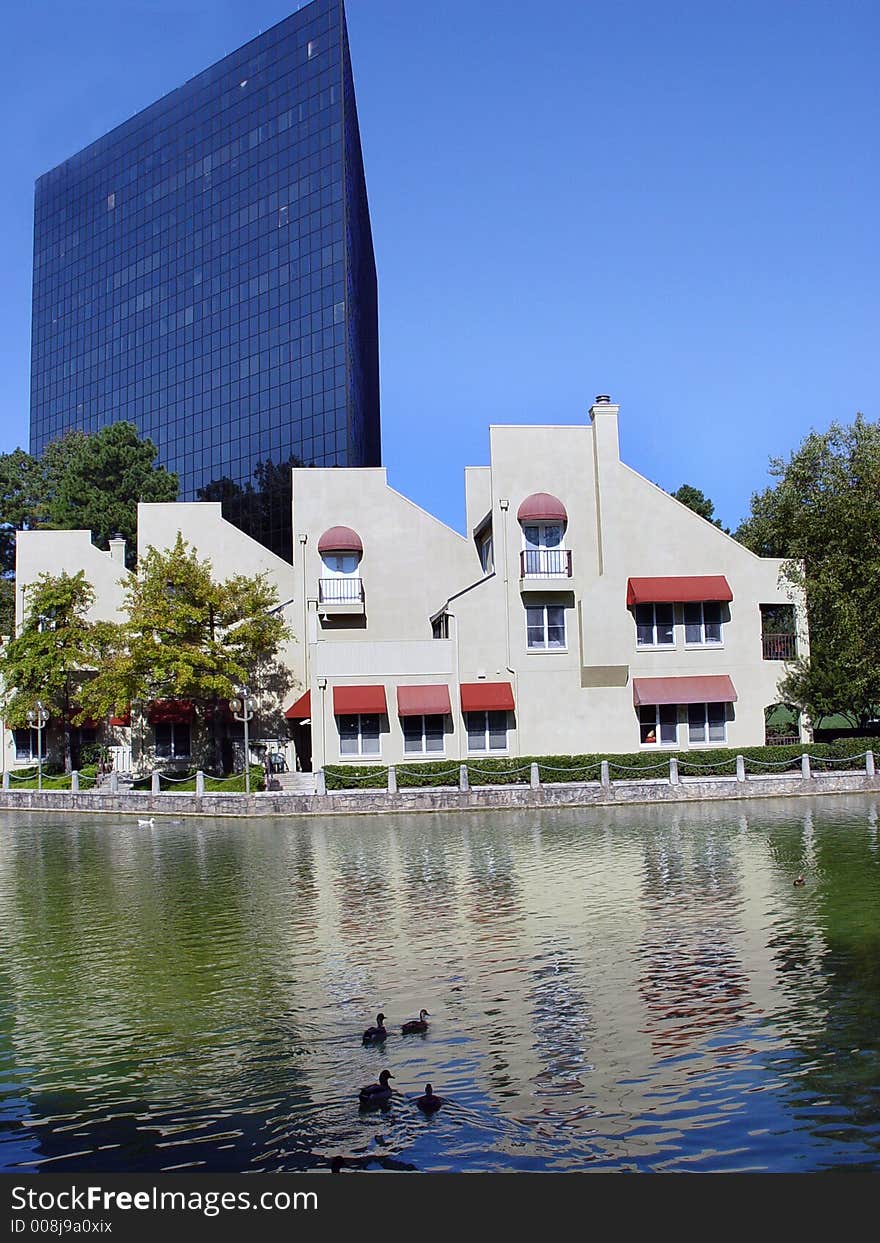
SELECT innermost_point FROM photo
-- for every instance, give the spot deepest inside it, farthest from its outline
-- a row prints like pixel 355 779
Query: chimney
pixel 606 456
pixel 117 549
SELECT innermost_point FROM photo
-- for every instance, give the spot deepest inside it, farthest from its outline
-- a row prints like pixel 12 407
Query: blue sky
pixel 674 203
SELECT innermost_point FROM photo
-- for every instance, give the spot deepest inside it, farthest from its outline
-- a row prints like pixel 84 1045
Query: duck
pixel 416 1025
pixel 377 1093
pixel 800 880
pixel 379 1032
pixel 430 1102
pixel 146 824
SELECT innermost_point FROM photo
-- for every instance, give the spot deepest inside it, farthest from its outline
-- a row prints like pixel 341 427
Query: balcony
pixel 779 646
pixel 341 595
pixel 546 565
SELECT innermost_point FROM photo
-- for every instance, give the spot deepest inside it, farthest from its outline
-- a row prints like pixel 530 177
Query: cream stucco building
pixel 584 610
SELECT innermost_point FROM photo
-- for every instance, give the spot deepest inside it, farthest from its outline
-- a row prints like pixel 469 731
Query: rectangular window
pixel 173 742
pixel 707 723
pixel 423 735
pixel 703 623
pixel 658 725
pixel 27 741
pixel 545 627
pixel 486 731
pixel 358 735
pixel 655 625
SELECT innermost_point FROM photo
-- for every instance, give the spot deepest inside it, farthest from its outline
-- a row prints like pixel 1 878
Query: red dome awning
pixel 541 507
pixel 340 539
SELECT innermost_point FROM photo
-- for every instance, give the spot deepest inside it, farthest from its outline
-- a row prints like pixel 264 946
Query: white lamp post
pixel 243 710
pixel 37 718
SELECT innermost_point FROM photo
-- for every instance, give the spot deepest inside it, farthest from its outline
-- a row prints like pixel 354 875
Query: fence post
pixel 605 775
pixel 320 782
pixel 154 783
pixel 673 770
pixel 740 768
pixel 463 782
pixel 74 782
pixel 6 780
pixel 534 777
pixel 870 770
pixel 200 783
pixel 805 766
pixel 392 779
pixel 114 782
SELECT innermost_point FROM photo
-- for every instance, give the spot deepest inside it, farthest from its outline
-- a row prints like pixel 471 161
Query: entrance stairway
pixel 293 783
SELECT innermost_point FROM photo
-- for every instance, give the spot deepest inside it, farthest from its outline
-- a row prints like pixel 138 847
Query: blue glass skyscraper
pixel 206 272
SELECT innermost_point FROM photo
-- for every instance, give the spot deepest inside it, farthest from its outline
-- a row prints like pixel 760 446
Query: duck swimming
pixel 800 880
pixel 377 1093
pixel 430 1102
pixel 416 1025
pixel 379 1032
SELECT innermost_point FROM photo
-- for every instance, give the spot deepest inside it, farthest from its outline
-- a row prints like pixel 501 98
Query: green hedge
pixel 27 779
pixel 636 766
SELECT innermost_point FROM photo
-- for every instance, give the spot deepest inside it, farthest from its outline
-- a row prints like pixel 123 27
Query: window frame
pixel 706 724
pixel 658 724
pixel 360 735
pixel 38 736
pixel 654 644
pixel 173 753
pixel 546 627
pixel 423 718
pixel 487 748
pixel 703 641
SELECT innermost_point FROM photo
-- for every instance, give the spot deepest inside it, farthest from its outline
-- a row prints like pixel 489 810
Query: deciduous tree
pixel 56 651
pixel 188 636
pixel 824 514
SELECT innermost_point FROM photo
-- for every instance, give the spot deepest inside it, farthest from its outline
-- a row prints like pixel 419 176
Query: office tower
pixel 206 271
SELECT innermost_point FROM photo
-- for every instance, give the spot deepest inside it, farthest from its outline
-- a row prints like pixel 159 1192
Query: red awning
pixel 541 507
pixel 355 700
pixel 677 590
pixel 302 709
pixel 423 701
pixel 123 719
pixel 170 712
pixel 708 688
pixel 340 539
pixel 486 697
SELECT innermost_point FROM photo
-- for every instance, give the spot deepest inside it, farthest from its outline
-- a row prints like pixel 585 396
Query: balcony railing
pixel 779 646
pixel 545 563
pixel 340 590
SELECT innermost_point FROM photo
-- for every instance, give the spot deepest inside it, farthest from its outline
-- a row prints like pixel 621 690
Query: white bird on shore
pixel 146 824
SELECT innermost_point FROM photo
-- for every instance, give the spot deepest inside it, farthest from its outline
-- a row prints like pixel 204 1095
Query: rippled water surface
pixel 631 989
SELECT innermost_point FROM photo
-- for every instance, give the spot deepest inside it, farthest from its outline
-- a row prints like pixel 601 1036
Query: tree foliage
pixel 187 636
pixel 84 482
pixel 696 500
pixel 824 515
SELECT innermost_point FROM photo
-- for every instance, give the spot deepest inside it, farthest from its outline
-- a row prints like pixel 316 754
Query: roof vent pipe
pixel 602 400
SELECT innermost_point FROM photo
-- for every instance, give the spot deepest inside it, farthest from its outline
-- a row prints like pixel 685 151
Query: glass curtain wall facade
pixel 206 272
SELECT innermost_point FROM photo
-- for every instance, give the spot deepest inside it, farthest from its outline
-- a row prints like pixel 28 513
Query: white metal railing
pixel 340 590
pixel 545 563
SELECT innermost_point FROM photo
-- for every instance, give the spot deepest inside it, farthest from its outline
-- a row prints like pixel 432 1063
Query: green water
pixel 629 989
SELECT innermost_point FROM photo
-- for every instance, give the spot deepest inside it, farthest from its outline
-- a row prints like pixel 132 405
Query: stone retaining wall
pixel 362 802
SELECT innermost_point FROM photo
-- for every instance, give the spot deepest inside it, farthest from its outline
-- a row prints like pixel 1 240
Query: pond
pixel 609 989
